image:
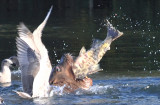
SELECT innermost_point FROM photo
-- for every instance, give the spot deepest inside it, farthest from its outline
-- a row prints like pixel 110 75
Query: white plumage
pixel 34 61
pixel 5 74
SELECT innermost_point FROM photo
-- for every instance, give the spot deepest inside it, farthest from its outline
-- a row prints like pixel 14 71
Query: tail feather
pixel 112 32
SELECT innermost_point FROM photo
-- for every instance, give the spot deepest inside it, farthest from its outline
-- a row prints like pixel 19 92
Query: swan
pixel 34 61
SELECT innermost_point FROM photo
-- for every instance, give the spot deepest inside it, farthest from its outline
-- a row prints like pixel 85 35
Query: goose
pixel 34 61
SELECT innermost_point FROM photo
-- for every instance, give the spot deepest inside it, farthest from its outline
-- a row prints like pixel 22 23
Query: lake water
pixel 131 68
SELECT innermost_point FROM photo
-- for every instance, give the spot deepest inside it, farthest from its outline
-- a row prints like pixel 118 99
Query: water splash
pixel 95 89
pixel 56 90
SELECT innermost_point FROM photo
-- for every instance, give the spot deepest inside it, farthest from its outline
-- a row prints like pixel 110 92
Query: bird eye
pixel 58 69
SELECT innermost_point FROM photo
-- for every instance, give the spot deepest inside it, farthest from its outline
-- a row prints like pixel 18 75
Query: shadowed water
pixel 131 67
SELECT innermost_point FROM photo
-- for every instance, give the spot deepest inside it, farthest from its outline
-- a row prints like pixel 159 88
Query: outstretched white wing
pixel 29 64
pixel 37 37
pixel 33 59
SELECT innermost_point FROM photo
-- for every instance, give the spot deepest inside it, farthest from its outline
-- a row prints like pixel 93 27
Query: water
pixel 131 67
pixel 118 88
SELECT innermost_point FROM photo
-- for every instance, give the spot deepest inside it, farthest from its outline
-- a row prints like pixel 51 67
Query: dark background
pixel 74 23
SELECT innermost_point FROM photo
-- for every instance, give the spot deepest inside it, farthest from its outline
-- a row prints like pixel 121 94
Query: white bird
pixel 5 74
pixel 34 61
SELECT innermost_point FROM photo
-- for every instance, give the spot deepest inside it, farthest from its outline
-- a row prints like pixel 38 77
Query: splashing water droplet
pixel 154 37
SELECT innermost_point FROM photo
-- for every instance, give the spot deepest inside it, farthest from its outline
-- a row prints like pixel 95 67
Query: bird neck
pixel 6 70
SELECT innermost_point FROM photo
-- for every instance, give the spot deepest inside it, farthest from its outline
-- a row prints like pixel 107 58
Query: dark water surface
pixel 131 67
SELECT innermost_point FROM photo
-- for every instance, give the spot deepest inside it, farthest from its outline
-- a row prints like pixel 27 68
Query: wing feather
pixel 37 36
pixel 29 64
pixel 33 58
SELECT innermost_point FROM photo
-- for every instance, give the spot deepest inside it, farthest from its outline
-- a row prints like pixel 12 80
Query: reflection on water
pixel 131 67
